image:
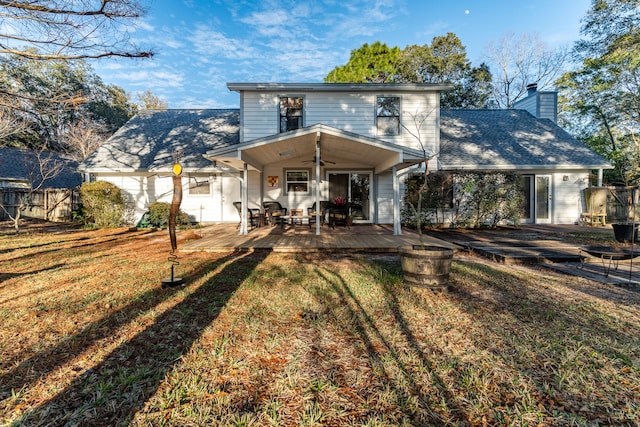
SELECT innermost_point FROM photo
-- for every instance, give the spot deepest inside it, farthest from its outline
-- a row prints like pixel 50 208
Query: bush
pixel 102 204
pixel 487 199
pixel 159 215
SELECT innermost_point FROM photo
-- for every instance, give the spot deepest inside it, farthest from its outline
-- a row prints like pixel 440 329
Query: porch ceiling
pixel 335 146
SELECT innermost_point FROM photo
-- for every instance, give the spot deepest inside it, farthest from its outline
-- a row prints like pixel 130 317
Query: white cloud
pixel 210 42
pixel 143 25
pixel 146 78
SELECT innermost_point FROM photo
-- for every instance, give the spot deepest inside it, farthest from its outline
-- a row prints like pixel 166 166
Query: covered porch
pixel 320 149
pixel 372 238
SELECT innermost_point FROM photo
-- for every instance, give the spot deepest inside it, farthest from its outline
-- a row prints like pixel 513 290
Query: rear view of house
pixel 300 144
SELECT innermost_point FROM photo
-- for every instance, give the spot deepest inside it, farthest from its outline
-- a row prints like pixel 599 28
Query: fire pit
pixel 610 256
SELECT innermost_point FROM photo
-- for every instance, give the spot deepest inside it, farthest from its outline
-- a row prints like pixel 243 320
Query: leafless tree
pixel 10 122
pixel 82 140
pixel 40 166
pixel 519 60
pixel 50 29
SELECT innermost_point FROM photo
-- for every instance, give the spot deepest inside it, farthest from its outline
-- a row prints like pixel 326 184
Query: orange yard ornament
pixel 173 212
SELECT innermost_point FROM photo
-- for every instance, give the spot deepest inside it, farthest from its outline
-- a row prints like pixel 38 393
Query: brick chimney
pixel 541 104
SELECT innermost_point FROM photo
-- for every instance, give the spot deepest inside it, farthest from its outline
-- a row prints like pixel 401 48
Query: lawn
pixel 89 337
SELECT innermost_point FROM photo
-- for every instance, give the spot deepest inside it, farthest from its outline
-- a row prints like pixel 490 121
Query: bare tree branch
pixel 10 123
pixel 69 29
pixel 519 60
pixel 40 166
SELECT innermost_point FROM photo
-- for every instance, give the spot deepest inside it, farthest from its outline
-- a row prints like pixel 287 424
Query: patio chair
pixel 253 215
pixel 311 212
pixel 339 215
pixel 273 212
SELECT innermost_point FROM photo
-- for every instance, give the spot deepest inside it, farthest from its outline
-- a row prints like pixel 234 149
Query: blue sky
pixel 201 45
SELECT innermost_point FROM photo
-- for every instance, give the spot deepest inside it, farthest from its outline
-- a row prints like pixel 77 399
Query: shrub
pixel 102 204
pixel 474 199
pixel 159 215
pixel 488 199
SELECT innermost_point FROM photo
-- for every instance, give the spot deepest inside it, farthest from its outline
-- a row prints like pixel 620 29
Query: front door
pixel 355 188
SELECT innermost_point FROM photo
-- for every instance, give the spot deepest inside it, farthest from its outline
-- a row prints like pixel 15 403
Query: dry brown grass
pixel 89 338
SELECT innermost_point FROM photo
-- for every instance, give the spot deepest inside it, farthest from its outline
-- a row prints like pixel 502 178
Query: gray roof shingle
pixel 470 139
pixel 509 139
pixel 147 141
pixel 19 164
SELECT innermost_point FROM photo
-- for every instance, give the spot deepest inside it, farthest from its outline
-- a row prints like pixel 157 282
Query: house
pixel 300 143
pixel 20 168
pixel 52 175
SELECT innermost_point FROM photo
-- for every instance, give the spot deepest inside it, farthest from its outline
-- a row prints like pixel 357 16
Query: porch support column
pixel 244 200
pixel 318 184
pixel 397 230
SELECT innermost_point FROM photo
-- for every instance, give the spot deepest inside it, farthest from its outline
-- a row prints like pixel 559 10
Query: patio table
pixel 292 219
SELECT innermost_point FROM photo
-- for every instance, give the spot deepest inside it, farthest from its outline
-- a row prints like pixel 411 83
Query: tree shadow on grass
pixel 402 381
pixel 49 359
pixel 87 245
pixel 9 275
pixel 542 329
pixel 113 391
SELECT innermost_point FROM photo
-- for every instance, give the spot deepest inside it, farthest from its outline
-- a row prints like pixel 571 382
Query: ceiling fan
pixel 322 162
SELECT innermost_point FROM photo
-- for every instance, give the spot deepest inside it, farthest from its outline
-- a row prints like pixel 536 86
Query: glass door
pixel 355 188
pixel 526 187
pixel 543 199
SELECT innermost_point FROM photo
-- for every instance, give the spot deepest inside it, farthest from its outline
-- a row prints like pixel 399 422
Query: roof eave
pixel 339 87
pixel 471 166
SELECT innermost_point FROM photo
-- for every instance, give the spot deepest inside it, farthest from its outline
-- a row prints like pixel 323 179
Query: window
pixel 290 113
pixel 388 115
pixel 199 185
pixel 297 181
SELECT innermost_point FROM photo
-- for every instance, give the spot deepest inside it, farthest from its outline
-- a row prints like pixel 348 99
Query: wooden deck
pixel 301 238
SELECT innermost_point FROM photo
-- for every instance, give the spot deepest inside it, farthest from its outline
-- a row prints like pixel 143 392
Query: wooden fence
pixel 48 204
pixel 620 204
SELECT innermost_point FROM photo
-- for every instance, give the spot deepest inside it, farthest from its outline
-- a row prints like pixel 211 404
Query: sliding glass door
pixel 355 188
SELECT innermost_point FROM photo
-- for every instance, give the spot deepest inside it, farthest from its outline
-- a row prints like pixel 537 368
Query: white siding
pixel 137 190
pixel 140 191
pixel 567 196
pixel 385 199
pixel 294 200
pixel 352 112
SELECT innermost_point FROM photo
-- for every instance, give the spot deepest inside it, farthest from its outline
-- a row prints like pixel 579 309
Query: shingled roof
pixel 147 141
pixel 19 166
pixel 470 139
pixel 509 139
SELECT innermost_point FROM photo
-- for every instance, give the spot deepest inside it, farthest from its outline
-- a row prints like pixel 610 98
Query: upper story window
pixel 388 115
pixel 290 113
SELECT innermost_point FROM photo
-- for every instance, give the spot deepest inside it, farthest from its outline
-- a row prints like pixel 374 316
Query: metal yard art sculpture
pixel 173 212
